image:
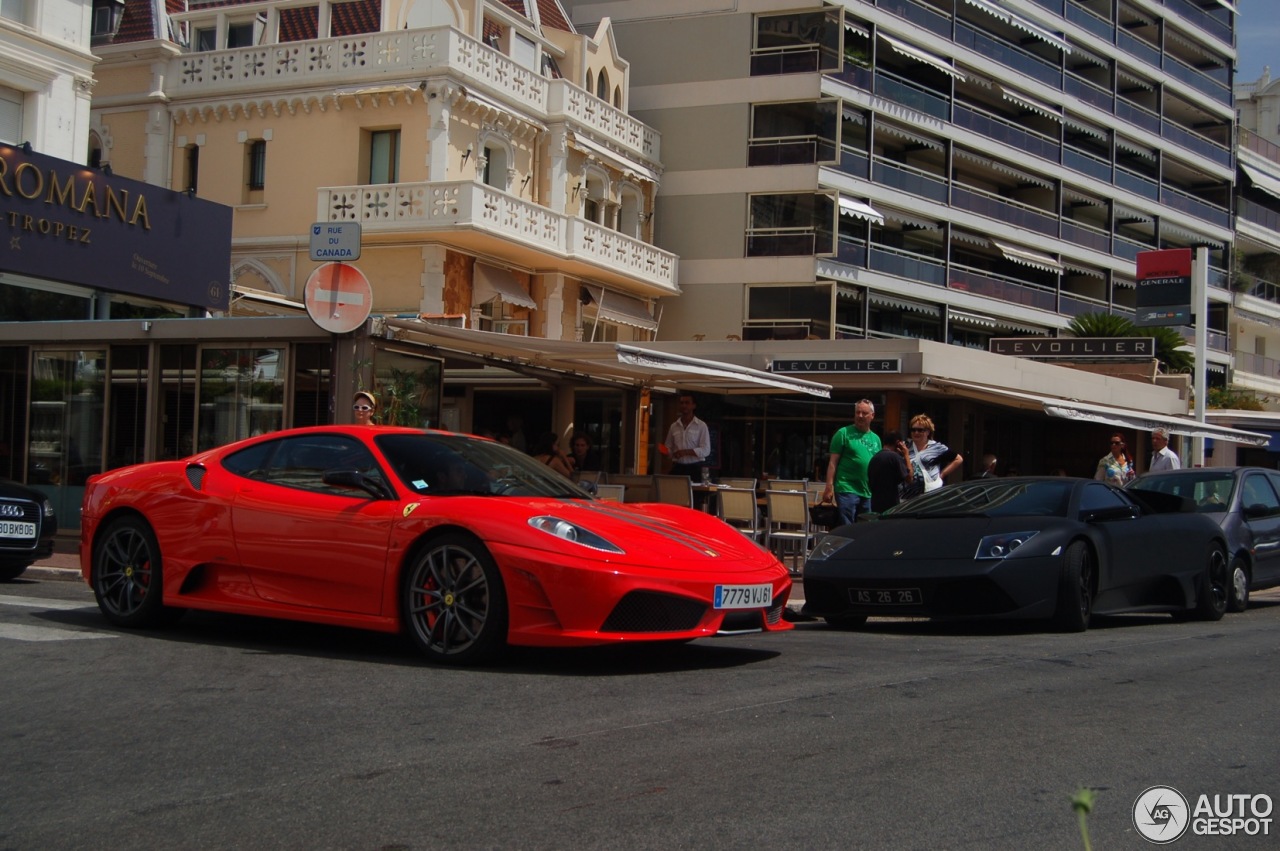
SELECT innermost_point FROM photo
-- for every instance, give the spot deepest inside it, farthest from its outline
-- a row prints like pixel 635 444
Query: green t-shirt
pixel 855 449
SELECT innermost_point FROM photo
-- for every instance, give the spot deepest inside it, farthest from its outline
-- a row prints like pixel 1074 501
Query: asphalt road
pixel 228 732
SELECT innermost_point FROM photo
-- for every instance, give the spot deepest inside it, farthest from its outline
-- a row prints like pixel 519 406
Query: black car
pixel 1054 548
pixel 1245 502
pixel 27 527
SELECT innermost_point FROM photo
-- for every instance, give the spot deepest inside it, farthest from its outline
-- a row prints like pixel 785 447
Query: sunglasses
pixel 362 407
pixel 1117 443
pixel 920 430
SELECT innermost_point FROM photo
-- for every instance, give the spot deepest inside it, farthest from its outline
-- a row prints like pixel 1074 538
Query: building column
pixel 553 305
pixel 433 279
pixel 437 134
pixel 558 154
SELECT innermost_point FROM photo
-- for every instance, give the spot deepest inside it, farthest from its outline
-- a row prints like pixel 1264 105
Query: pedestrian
pixel 547 450
pixel 989 462
pixel 688 440
pixel 1115 468
pixel 931 460
pixel 364 406
pixel 888 472
pixel 1162 457
pixel 852 448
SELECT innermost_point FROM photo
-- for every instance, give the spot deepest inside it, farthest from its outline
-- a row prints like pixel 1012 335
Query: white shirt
pixel 1165 459
pixel 695 436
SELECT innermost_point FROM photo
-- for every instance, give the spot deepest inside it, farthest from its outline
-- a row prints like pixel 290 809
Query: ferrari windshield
pixel 991 498
pixel 444 464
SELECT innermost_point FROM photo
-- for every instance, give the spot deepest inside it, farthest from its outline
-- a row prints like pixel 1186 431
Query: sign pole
pixel 1200 295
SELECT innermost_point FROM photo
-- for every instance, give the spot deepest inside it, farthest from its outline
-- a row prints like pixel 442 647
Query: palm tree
pixel 1168 341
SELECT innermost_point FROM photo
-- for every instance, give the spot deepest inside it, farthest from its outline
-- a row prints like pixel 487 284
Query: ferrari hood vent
pixel 195 475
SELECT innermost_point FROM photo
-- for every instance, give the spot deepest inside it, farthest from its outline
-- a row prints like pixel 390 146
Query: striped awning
pixel 923 56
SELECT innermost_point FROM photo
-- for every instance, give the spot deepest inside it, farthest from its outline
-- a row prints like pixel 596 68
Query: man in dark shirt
pixel 887 471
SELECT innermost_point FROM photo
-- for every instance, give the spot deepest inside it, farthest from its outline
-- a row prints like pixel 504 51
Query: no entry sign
pixel 338 297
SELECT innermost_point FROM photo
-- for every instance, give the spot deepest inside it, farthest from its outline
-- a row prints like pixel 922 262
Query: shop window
pixel 384 156
pixel 175 433
pixel 312 382
pixel 64 443
pixel 127 408
pixel 241 394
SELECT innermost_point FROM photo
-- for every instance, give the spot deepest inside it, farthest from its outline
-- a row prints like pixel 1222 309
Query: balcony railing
pixel 980 282
pixel 930 19
pixel 1258 214
pixel 501 217
pixel 373 58
pixel 1256 364
pixel 1259 145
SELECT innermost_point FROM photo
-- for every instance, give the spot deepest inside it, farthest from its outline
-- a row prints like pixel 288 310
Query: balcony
pixel 378 59
pixel 1256 365
pixel 488 221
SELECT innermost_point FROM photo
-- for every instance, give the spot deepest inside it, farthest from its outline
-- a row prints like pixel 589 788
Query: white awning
pixel 1262 180
pixel 1028 102
pixel 492 282
pixel 923 56
pixel 1109 415
pixel 620 161
pixel 1135 148
pixel 622 309
pixel 1027 257
pixel 901 133
pixel 966 318
pixel 860 210
pixel 1016 19
pixel 1001 166
pixel 1087 129
pixel 971 238
pixel 1178 231
pixel 1085 270
pixel 1132 216
pixel 909 219
pixel 1137 81
pixel 856 29
pixel 649 359
pixel 1228 4
pixel 881 300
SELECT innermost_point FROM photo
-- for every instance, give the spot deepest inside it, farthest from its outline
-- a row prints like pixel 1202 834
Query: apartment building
pixel 947 170
pixel 1255 318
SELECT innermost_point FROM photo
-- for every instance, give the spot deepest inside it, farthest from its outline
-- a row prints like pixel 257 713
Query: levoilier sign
pixel 67 222
pixel 1115 348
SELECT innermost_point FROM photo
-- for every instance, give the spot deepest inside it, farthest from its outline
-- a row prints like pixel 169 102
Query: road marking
pixel 21 632
pixel 41 603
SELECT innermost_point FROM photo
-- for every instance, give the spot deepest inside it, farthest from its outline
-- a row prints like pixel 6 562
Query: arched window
pixel 591 78
pixel 497 164
pixel 617 96
pixel 602 86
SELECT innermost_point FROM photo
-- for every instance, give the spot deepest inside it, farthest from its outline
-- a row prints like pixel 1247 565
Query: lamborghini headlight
pixel 566 531
pixel 828 546
pixel 1002 545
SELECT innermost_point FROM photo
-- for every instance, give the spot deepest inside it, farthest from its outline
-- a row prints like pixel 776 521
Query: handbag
pixel 825 514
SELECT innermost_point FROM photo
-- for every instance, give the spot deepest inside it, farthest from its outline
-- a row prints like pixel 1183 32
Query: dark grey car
pixel 27 527
pixel 1245 501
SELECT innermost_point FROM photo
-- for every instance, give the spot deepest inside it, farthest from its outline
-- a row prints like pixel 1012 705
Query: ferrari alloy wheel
pixel 1215 584
pixel 127 578
pixel 454 603
pixel 1075 589
pixel 1239 599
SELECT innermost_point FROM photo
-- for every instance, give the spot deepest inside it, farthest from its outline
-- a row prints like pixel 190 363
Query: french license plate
pixel 14 529
pixel 743 596
pixel 886 596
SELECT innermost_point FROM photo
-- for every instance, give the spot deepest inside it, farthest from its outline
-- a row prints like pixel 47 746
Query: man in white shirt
pixel 688 440
pixel 1162 457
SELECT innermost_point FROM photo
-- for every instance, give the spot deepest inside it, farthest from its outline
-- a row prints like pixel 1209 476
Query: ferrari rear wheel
pixel 454 603
pixel 1239 599
pixel 1215 584
pixel 128 578
pixel 1075 589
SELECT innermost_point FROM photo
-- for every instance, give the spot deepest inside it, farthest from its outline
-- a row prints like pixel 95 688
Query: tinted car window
pixel 1207 489
pixel 1257 496
pixel 1097 497
pixel 301 462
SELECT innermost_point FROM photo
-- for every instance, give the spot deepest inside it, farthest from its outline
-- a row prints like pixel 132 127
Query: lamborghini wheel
pixel 128 578
pixel 1075 589
pixel 1211 597
pixel 454 603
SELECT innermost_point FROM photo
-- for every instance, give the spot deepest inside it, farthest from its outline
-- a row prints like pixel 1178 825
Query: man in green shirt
pixel 851 450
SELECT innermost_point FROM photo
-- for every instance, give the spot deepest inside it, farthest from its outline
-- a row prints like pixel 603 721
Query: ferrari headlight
pixel 566 531
pixel 827 546
pixel 1002 545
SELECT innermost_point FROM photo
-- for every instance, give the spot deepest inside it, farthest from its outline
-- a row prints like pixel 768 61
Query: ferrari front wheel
pixel 128 575
pixel 453 601
pixel 1075 589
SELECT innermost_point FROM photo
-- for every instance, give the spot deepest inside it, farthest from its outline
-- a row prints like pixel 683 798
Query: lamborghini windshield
pixel 444 464
pixel 990 498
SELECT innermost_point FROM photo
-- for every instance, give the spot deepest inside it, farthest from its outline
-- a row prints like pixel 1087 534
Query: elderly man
pixel 1162 457
pixel 851 451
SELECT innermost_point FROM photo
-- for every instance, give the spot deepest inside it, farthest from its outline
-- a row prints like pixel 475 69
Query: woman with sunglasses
pixel 364 405
pixel 1116 467
pixel 931 460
